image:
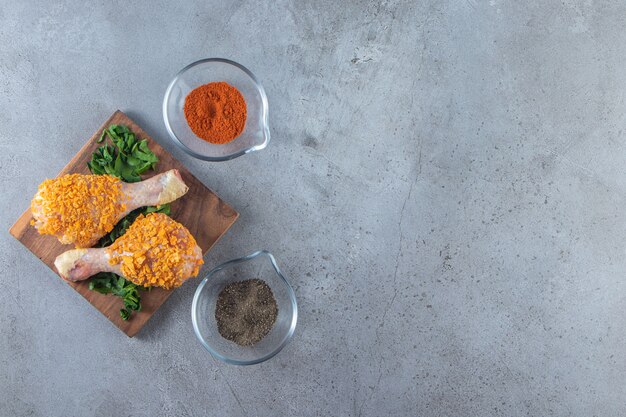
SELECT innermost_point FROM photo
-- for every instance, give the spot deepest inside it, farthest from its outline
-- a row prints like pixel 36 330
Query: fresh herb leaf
pixel 127 159
pixel 110 283
pixel 164 208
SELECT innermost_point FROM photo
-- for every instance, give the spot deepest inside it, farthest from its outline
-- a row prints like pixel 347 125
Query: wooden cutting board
pixel 205 215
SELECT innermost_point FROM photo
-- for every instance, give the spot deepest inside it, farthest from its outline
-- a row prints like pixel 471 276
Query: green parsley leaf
pixel 127 159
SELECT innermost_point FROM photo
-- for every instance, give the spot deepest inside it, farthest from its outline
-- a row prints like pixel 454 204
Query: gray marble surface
pixel 445 188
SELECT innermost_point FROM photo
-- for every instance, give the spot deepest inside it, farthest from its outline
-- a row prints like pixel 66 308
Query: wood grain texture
pixel 205 215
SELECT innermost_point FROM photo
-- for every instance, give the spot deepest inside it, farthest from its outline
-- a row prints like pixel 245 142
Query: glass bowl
pixel 256 133
pixel 260 265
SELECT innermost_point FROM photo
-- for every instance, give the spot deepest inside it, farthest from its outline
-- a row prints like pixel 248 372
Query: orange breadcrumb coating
pixel 77 207
pixel 156 251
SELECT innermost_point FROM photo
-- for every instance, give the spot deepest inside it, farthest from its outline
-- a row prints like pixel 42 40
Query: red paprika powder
pixel 216 112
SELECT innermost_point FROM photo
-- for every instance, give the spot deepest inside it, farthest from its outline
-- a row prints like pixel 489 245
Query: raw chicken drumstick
pixel 154 251
pixel 80 209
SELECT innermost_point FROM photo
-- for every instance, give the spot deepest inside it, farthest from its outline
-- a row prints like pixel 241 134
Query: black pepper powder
pixel 246 311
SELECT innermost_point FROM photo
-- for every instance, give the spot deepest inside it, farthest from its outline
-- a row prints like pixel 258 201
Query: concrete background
pixel 445 188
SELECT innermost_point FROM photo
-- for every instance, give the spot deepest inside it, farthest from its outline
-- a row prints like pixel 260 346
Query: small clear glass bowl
pixel 260 265
pixel 256 133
